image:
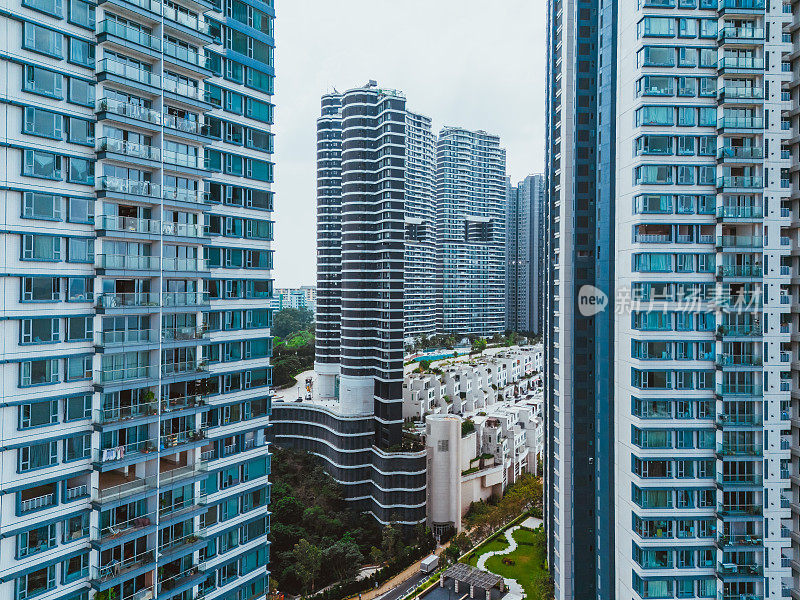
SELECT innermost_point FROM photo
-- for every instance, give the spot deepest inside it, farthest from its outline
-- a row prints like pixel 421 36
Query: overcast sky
pixel 470 63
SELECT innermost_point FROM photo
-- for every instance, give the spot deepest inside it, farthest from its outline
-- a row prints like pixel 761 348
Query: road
pixel 404 588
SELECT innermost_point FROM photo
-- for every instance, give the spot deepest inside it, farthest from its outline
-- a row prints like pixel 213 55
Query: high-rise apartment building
pixel 355 422
pixel 525 254
pixel 671 193
pixel 470 232
pixel 136 272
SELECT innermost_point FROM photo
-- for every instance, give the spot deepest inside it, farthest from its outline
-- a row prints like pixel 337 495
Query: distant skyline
pixel 463 63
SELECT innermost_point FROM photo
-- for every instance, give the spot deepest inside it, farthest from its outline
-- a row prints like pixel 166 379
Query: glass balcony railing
pixel 37 503
pixel 185 54
pixel 141 113
pixel 740 509
pixel 740 152
pixel 740 271
pixel 740 241
pixel 185 299
pixel 741 92
pixel 740 330
pixel 740 182
pixel 184 195
pixel 741 33
pixel 121 69
pixel 177 334
pixel 149 226
pixel 740 569
pixel 126 526
pixel 128 33
pixel 740 212
pixel 741 389
pixel 129 186
pixel 182 89
pixel 738 360
pixel 127 374
pixel 121 451
pixel 127 148
pixel 184 264
pixel 744 4
pixel 116 414
pixel 733 480
pixel 739 419
pixel 182 160
pixel 184 19
pixel 115 568
pixel 740 449
pixel 183 366
pixel 171 440
pixel 741 62
pixel 184 125
pixel 183 402
pixel 126 336
pixel 131 262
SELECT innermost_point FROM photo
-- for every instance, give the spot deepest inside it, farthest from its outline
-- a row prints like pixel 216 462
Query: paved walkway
pixel 513 586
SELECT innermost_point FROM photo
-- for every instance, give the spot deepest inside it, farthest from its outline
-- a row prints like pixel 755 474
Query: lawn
pixel 528 568
pixel 499 543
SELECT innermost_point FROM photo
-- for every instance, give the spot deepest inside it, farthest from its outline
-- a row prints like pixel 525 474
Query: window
pixel 41 206
pixel 36 582
pixel 75 568
pixel 79 329
pixel 81 13
pixel 81 170
pixel 80 289
pixel 257 80
pixel 38 414
pixel 81 53
pixel 80 210
pixel 35 540
pixel 234 102
pixel 76 527
pixel 44 165
pixel 80 131
pixel 686 116
pixel 40 289
pixel 37 456
pixel 81 92
pixel 43 123
pixel 260 111
pixel 41 247
pixel 39 331
pixel 49 7
pixel 77 447
pixel 42 40
pixel 79 367
pixel 80 250
pixel 44 82
pixel 77 408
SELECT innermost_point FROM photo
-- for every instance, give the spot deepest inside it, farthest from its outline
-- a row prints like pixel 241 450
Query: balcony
pixel 739 480
pixel 169 405
pixel 739 330
pixel 746 5
pixel 166 299
pixel 171 472
pixel 114 486
pixel 184 366
pixel 740 212
pixel 129 186
pixel 127 374
pixel 126 71
pixel 135 150
pixel 129 34
pixel 128 262
pixel 748 63
pixel 121 528
pixel 740 182
pixel 740 539
pixel 148 226
pixel 739 449
pixel 739 570
pixel 741 153
pixel 126 413
pixel 111 338
pixel 740 510
pixel 132 111
pixel 182 89
pixel 172 440
pixel 740 271
pixel 179 159
pixel 118 453
pixel 739 360
pixel 739 420
pixel 37 502
pixel 185 54
pixel 741 389
pixel 117 568
pixel 730 92
pixel 743 34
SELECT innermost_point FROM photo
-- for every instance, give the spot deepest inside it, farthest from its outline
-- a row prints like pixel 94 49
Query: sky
pixel 468 63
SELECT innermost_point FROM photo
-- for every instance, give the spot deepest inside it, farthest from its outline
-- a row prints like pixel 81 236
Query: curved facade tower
pixel 329 244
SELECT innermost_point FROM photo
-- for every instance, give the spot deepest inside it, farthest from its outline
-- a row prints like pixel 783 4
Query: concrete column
pixel 472 591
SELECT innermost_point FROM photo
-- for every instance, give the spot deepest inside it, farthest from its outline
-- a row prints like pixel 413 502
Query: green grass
pixel 528 564
pixel 491 546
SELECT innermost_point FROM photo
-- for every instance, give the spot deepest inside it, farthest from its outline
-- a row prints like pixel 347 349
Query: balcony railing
pixel 182 160
pixel 168 299
pixel 733 480
pixel 740 212
pixel 126 336
pixel 733 419
pixel 741 62
pixel 184 19
pixel 740 539
pixel 740 509
pixel 739 569
pixel 183 366
pixel 121 69
pixel 131 34
pixel 125 374
pixel 123 413
pixel 739 360
pixel 743 152
pixel 740 271
pixel 38 502
pixel 181 473
pixel 170 440
pixel 740 449
pixel 128 261
pixel 127 148
pixel 125 109
pixel 129 186
pixel 116 568
pixel 182 89
pixel 184 195
pixel 173 404
pixel 740 241
pixel 741 33
pixel 741 92
pixel 185 54
pixel 184 264
pixel 78 491
pixel 106 455
pixel 149 226
pixel 742 389
pixel 740 182
pixel 740 330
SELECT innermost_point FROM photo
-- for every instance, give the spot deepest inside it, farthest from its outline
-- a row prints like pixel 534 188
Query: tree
pixel 291 320
pixel 424 365
pixel 478 346
pixel 308 561
pixel 344 557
